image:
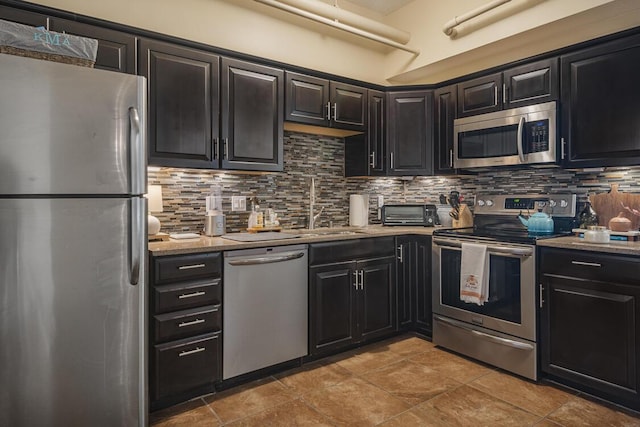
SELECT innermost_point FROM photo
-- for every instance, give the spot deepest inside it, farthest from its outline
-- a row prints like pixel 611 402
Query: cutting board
pixel 609 205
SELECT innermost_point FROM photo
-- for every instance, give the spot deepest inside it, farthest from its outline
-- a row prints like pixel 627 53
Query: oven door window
pixel 504 286
pixel 498 141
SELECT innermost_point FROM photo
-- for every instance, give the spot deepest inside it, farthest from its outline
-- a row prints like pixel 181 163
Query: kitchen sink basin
pixel 329 232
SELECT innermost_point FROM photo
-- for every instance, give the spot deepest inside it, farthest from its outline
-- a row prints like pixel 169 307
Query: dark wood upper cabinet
pixel 116 50
pixel 479 96
pixel 445 102
pixel 601 106
pixel 24 17
pixel 516 87
pixel 183 105
pixel 307 99
pixel 364 154
pixel 315 101
pixel 410 133
pixel 252 116
pixel 531 84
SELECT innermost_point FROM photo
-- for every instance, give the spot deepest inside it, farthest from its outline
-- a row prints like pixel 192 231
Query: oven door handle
pixel 495 339
pixel 493 249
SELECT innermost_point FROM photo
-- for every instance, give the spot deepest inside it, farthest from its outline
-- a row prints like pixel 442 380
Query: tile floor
pixel 405 381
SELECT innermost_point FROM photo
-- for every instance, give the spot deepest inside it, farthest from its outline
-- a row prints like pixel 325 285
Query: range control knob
pixel 480 202
pixel 489 202
pixel 563 203
pixel 552 203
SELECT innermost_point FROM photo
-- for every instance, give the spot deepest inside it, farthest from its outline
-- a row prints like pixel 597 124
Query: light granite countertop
pixel 213 244
pixel 572 242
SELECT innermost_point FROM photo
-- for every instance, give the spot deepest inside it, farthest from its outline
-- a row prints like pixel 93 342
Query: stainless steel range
pixel 502 331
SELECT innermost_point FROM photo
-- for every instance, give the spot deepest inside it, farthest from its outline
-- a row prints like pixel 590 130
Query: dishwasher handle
pixel 266 259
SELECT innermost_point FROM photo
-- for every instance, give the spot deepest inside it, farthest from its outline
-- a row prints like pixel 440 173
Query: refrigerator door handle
pixel 138 154
pixel 136 238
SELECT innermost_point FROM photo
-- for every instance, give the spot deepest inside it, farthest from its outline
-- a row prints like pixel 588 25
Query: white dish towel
pixel 474 274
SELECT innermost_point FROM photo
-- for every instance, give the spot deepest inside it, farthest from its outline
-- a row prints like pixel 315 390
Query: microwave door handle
pixel 519 140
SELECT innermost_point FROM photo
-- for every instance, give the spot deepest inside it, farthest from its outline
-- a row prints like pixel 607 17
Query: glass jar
pixel 588 216
pixel 597 234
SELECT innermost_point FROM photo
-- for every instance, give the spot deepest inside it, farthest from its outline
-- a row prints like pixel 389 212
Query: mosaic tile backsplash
pixel 306 156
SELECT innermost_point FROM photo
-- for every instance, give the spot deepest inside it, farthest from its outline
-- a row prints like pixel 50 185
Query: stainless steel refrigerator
pixel 72 245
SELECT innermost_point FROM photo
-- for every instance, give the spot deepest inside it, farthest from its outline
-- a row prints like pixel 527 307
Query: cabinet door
pixel 183 104
pixel 376 303
pixel 252 116
pixel 444 113
pixel 601 106
pixel 376 132
pixel 332 316
pixel 406 269
pixel 307 99
pixel 23 17
pixel 424 320
pixel 531 84
pixel 479 96
pixel 348 106
pixel 410 133
pixel 116 50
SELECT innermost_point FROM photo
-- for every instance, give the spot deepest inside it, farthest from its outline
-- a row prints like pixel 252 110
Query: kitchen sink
pixel 329 232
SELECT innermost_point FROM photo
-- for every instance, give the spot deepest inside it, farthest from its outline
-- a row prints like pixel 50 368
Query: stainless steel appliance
pixel 501 332
pixel 518 136
pixel 72 245
pixel 265 308
pixel 410 214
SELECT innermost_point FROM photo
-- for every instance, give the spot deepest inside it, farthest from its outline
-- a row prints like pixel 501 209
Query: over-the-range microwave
pixel 518 136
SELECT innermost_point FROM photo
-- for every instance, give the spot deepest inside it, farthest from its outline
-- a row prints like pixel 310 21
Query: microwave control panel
pixel 537 136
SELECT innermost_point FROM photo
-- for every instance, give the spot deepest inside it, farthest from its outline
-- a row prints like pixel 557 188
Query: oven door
pixel 511 308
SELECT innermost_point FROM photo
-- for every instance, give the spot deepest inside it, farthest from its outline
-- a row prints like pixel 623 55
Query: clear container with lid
pixel 597 234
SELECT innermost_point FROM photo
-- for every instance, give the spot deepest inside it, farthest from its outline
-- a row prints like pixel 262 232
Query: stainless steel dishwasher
pixel 265 308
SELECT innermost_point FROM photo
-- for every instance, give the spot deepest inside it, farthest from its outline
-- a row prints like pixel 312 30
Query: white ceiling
pixel 383 7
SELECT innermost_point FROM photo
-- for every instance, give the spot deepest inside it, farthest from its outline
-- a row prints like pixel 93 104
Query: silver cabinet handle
pixel 401 255
pixel 540 290
pixel 192 266
pixel 196 350
pixel 504 93
pixel 191 295
pixel 588 264
pixel 495 94
pixel 391 160
pixel 361 273
pixel 266 260
pixel 328 110
pixel 373 159
pixel 355 277
pixel 193 322
pixel 562 148
pixel 335 111
pixel 451 158
pixel 519 140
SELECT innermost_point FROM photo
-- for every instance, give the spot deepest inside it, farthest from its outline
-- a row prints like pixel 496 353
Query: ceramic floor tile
pixel 466 406
pixel 191 414
pixel 249 399
pixel 451 365
pixel 539 399
pixel 356 402
pixel 410 381
pixel 546 423
pixel 410 346
pixel 314 376
pixel 414 417
pixel 294 413
pixel 373 358
pixel 582 412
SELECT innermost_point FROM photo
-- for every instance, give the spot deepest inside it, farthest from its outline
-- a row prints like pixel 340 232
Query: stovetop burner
pixel 496 218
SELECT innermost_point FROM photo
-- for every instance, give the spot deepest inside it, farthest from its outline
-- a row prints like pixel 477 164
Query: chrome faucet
pixel 312 201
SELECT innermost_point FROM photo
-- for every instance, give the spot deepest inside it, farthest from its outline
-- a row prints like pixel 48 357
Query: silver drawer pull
pixel 194 294
pixel 189 267
pixel 197 350
pixel 589 264
pixel 193 322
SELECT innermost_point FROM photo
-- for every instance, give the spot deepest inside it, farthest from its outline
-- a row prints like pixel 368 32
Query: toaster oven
pixel 410 214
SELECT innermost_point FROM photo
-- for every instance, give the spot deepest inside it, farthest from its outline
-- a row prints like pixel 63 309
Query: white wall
pixel 516 30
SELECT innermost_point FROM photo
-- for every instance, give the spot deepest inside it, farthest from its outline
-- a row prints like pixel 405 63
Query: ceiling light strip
pixel 339 25
pixel 449 26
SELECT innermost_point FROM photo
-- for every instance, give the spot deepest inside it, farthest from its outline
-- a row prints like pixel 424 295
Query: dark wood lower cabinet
pixel 590 328
pixel 352 300
pixel 413 284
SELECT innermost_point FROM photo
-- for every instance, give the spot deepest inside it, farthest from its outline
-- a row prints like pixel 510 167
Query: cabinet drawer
pixel 186 364
pixel 185 323
pixel 187 267
pixel 597 266
pixel 180 296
